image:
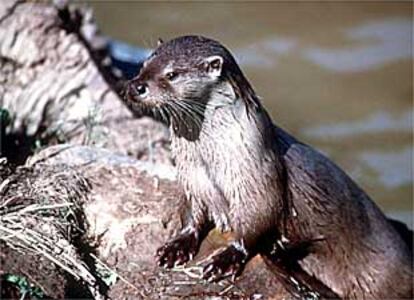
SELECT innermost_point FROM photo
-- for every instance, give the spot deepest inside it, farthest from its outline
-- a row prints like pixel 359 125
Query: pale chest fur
pixel 226 171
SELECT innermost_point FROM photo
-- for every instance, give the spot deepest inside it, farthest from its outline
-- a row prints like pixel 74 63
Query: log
pixel 94 191
pixel 57 84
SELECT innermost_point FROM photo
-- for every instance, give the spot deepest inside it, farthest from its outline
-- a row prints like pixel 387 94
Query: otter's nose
pixel 141 89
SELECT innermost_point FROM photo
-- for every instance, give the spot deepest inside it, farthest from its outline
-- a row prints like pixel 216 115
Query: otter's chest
pixel 224 167
pixel 213 162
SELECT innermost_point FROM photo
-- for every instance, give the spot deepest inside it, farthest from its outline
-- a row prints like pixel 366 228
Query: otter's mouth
pixel 138 106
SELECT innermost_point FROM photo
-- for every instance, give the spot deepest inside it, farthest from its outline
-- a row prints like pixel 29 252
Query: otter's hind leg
pixel 283 261
pixel 230 261
pixel 248 230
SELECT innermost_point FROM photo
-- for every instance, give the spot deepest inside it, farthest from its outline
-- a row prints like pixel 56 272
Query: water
pixel 337 75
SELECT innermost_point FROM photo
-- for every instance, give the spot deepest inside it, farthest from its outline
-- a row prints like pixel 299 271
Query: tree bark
pixel 58 85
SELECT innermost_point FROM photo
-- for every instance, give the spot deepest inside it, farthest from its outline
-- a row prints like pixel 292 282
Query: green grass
pixel 25 288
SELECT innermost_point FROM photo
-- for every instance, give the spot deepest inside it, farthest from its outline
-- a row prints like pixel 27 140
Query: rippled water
pixel 337 75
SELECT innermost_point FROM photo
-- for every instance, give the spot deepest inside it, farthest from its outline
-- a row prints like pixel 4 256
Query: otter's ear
pixel 214 65
pixel 160 42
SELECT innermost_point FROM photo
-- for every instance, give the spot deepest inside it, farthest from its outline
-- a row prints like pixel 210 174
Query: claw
pixel 208 269
pixel 178 251
pixel 229 262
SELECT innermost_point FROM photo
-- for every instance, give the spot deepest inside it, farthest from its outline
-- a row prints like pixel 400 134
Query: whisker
pixel 176 114
pixel 189 111
pixel 164 114
pixel 186 114
pixel 199 109
pixel 194 107
pixel 171 112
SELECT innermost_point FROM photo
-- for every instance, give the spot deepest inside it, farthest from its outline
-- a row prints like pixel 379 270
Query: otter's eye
pixel 171 75
pixel 141 89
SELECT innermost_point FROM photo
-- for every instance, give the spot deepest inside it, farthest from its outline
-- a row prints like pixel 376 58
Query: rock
pixel 60 86
pixel 113 169
pixel 134 207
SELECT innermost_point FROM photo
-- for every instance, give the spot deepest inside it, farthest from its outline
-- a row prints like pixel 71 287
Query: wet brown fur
pixel 243 174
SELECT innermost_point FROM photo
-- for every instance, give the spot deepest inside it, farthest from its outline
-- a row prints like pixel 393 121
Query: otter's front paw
pixel 178 251
pixel 229 262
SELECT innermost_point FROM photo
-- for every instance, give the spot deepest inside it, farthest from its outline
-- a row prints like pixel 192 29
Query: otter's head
pixel 178 80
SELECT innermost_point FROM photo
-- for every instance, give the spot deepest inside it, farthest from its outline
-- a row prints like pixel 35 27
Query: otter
pixel 278 196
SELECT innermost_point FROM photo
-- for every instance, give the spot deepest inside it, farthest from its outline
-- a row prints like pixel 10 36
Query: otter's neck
pixel 228 95
pixel 225 113
pixel 198 112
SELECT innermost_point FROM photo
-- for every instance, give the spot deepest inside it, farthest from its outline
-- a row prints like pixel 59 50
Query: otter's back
pixel 361 256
